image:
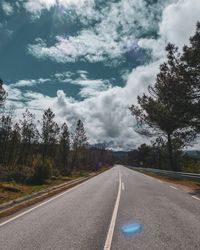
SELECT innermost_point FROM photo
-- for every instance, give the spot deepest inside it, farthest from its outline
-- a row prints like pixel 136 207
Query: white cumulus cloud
pixel 118 29
pixel 105 111
pixel 7 8
pixel 179 21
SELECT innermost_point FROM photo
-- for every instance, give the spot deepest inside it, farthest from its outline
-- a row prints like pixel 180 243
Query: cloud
pixel 93 87
pixel 87 46
pixel 179 20
pixel 25 83
pixel 7 8
pixel 36 7
pixel 104 109
pixel 119 27
pixel 105 113
pixel 89 87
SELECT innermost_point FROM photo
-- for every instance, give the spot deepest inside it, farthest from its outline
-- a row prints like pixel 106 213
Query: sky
pixel 89 59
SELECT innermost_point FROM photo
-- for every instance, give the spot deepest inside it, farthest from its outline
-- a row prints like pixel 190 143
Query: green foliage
pixel 192 167
pixel 29 135
pixel 64 150
pixel 191 61
pixel 50 131
pixel 168 109
pixel 19 173
pixel 42 170
pixel 79 146
pixel 191 162
pixel 80 138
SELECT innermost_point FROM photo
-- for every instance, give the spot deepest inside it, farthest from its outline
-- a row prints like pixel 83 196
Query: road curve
pixel 81 218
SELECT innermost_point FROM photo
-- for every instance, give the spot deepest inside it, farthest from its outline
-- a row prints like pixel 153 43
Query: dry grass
pixel 12 190
pixel 28 189
pixel 190 184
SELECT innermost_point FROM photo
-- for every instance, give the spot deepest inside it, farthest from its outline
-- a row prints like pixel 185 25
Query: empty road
pixel 91 216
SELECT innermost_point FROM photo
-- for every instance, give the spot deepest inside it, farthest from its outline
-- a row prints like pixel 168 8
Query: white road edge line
pixel 109 237
pixel 45 202
pixel 123 187
pixel 173 187
pixel 160 181
pixel 195 197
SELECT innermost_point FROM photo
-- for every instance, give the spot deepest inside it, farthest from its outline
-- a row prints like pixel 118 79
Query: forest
pixel 34 151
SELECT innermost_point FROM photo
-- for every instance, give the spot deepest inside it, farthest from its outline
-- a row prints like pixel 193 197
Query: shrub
pixel 42 170
pixel 10 188
pixel 20 173
pixel 192 167
pixel 56 172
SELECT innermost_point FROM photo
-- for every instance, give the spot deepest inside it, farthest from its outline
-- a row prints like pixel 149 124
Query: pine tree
pixel 167 108
pixel 79 145
pixel 49 133
pixel 28 136
pixel 80 138
pixel 64 148
pixel 14 145
pixel 5 131
pixel 191 61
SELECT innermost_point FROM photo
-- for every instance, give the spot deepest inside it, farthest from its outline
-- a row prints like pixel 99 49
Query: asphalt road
pixel 92 214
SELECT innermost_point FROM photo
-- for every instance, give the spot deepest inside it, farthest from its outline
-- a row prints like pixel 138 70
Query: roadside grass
pixel 191 184
pixel 12 190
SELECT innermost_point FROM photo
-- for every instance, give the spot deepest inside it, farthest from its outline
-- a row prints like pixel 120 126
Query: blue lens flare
pixel 131 229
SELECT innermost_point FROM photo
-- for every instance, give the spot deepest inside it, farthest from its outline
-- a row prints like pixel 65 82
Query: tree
pixel 5 131
pixel 14 144
pixel 2 136
pixel 49 133
pixel 191 61
pixel 28 136
pixel 80 138
pixel 79 144
pixel 64 148
pixel 42 170
pixel 167 109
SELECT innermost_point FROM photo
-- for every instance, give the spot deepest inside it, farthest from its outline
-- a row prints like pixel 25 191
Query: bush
pixel 56 172
pixel 42 170
pixel 192 167
pixel 21 174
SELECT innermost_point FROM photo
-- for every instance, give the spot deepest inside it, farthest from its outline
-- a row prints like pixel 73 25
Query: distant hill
pixel 120 155
pixel 193 153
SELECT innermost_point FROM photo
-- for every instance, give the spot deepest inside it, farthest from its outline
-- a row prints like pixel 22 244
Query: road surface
pixel 91 216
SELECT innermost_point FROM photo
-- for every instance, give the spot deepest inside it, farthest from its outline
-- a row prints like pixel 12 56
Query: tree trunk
pixel 170 152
